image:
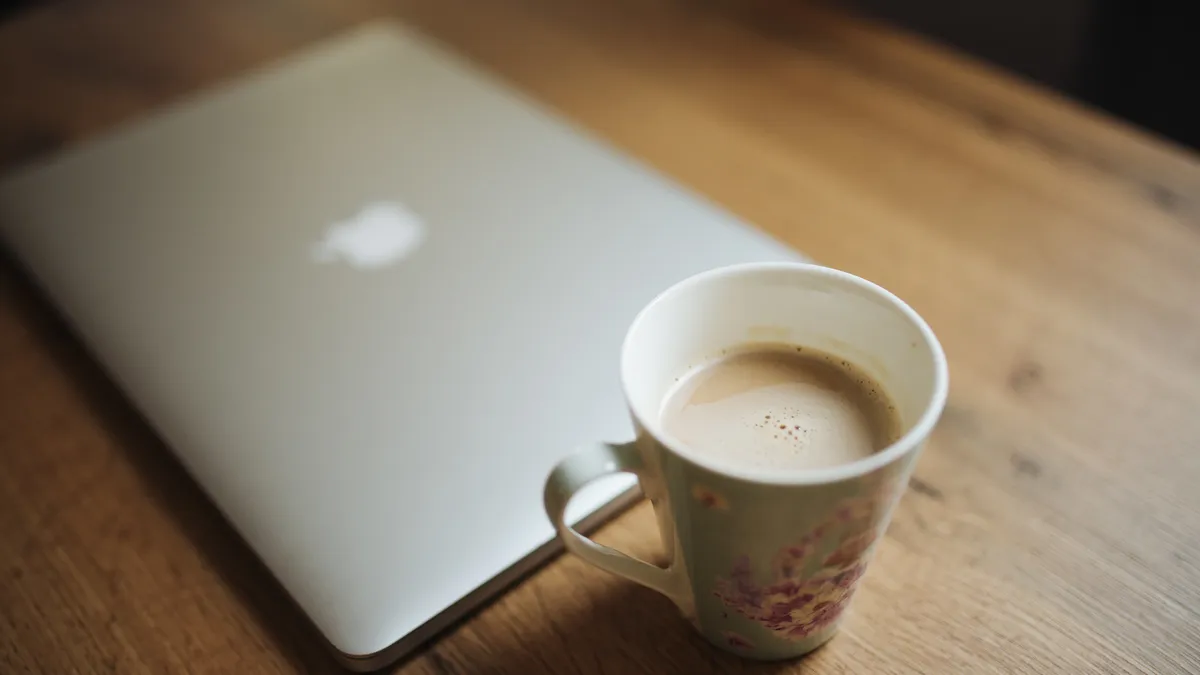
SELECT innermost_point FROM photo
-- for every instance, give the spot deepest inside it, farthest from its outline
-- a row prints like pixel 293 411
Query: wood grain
pixel 1054 521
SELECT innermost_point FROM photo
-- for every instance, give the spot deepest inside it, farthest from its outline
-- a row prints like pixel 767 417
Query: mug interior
pixel 690 324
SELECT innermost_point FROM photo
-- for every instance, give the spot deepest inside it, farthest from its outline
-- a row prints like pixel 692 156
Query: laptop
pixel 369 296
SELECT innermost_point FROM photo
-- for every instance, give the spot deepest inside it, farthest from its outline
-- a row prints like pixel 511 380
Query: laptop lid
pixel 368 296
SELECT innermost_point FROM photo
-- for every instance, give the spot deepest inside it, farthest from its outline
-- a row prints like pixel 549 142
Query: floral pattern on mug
pixel 709 499
pixel 737 641
pixel 814 577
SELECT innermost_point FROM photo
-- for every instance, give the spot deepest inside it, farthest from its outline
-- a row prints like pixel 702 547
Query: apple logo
pixel 380 234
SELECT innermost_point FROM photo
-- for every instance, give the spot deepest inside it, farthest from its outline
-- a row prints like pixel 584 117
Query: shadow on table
pixel 625 629
pixel 628 630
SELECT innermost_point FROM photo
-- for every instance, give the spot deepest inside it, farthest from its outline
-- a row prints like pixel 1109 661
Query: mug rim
pixel 908 442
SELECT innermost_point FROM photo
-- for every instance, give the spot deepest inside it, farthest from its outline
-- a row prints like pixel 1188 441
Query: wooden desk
pixel 1054 521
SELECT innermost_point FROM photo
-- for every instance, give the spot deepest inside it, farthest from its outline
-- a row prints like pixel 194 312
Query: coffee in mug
pixel 778 411
pixel 781 406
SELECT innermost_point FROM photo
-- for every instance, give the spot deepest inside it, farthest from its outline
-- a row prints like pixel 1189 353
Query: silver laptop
pixel 368 295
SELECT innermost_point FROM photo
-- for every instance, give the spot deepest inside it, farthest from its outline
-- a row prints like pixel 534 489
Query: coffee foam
pixel 781 407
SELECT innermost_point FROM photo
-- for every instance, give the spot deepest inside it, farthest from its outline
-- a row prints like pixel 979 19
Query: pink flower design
pixel 737 641
pixel 850 549
pixel 709 499
pixel 799 601
pixel 790 560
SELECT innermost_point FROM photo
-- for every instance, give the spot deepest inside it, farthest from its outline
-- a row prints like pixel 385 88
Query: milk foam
pixel 781 407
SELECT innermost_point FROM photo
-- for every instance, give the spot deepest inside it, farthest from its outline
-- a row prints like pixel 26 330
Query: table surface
pixel 1053 523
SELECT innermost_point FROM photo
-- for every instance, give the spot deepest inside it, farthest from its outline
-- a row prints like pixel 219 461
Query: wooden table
pixel 1054 521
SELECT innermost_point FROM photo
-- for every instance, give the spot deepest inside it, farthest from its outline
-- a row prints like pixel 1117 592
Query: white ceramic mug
pixel 763 562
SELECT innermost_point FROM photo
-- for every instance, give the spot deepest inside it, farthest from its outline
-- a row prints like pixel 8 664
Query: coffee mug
pixel 762 562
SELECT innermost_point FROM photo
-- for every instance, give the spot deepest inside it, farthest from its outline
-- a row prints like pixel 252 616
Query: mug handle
pixel 581 468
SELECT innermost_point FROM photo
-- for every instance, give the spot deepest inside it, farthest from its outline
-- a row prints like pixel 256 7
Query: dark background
pixel 1136 59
